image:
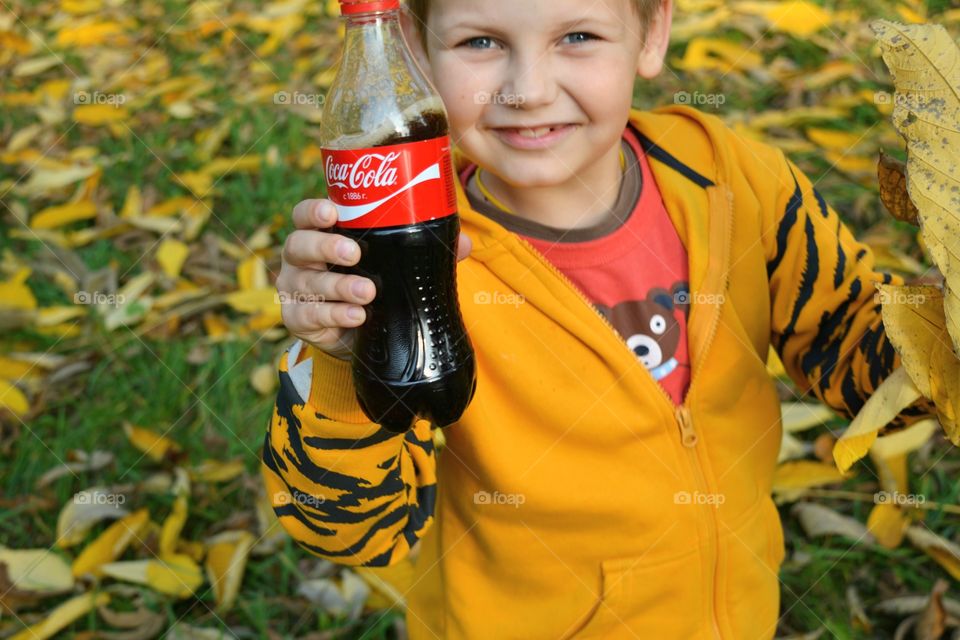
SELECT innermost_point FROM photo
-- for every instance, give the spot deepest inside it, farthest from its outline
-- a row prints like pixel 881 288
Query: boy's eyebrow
pixel 560 28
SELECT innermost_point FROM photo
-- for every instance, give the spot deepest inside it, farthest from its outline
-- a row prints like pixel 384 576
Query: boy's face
pixel 503 66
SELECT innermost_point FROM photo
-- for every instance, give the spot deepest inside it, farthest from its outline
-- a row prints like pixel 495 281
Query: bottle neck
pixel 373 33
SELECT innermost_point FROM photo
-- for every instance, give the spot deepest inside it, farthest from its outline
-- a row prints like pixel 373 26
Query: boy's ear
pixel 650 62
pixel 410 33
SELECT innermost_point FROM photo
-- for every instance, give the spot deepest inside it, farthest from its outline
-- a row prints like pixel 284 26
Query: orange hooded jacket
pixel 574 499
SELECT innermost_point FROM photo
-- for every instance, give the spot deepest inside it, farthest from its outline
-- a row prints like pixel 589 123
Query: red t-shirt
pixel 636 275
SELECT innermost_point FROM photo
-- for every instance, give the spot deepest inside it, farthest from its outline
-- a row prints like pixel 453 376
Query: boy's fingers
pixel 464 246
pixel 326 286
pixel 315 213
pixel 318 249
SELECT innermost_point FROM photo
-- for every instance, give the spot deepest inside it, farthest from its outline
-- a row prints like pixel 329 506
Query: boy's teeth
pixel 535 133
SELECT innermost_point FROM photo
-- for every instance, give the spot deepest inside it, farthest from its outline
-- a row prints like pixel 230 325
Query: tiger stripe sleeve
pixel 826 324
pixel 344 488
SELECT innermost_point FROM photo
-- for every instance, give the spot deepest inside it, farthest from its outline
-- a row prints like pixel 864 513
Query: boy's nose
pixel 531 82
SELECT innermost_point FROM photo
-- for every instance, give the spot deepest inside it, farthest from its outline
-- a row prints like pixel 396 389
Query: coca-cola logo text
pixel 370 170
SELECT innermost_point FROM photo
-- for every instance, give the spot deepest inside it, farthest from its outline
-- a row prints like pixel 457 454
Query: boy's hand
pixel 316 302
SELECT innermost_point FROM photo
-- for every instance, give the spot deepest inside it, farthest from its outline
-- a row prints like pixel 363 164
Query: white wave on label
pixel 346 213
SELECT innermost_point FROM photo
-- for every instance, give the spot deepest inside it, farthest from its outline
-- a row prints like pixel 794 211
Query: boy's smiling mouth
pixel 536 137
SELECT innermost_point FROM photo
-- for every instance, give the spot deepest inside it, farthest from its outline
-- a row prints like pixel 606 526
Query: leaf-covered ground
pixel 150 155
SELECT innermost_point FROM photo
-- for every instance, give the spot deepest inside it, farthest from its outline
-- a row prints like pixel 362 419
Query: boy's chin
pixel 527 178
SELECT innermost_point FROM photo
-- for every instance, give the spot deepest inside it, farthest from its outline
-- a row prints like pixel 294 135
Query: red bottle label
pixel 391 186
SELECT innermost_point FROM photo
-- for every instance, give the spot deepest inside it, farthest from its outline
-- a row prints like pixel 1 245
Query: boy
pixel 629 271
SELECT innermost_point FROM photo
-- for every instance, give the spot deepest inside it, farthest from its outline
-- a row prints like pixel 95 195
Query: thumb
pixel 464 246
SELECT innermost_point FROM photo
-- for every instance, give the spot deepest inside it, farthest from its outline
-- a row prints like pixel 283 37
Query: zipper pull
pixel 688 435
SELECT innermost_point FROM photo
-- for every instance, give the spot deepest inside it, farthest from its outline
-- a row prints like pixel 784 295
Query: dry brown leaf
pixel 893 189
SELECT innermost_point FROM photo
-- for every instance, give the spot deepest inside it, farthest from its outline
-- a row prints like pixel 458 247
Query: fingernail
pixel 359 289
pixel 355 313
pixel 346 249
pixel 324 212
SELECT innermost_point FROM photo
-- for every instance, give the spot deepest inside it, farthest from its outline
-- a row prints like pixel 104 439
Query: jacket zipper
pixel 688 434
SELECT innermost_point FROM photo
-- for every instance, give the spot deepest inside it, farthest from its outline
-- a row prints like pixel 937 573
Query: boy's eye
pixel 480 42
pixel 580 37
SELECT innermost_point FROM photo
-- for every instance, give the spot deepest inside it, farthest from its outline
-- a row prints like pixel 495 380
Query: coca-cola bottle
pixel 386 154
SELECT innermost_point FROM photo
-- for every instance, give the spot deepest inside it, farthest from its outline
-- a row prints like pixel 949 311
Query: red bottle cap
pixel 349 7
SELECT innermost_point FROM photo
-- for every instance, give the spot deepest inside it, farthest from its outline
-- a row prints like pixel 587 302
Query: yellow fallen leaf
pixel 84 510
pixel 176 575
pixel 81 7
pixel 87 34
pixel 173 525
pixel 155 446
pixel 99 114
pixel 133 203
pixel 893 395
pixel 13 369
pixel 796 17
pixel 914 320
pixel 215 325
pixel 252 274
pixel 62 616
pixel 12 399
pixel 800 416
pixel 45 180
pixel 223 166
pixel 226 560
pixel 905 441
pixel 217 471
pixel 795 116
pixel 803 474
pixel 110 544
pixel 887 524
pixel 945 389
pixel 198 182
pixel 157 225
pixel 830 73
pixel 944 552
pixel 35 66
pixel 51 316
pixel 715 53
pixel 38 571
pixel 254 300
pixel 925 63
pixel 15 293
pixel 173 206
pixel 264 379
pixel 171 254
pixel 909 15
pixel 834 139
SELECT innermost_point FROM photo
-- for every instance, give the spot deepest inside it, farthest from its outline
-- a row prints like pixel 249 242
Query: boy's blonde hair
pixel 646 10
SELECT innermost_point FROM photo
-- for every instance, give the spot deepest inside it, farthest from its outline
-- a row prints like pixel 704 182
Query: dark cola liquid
pixel 412 357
